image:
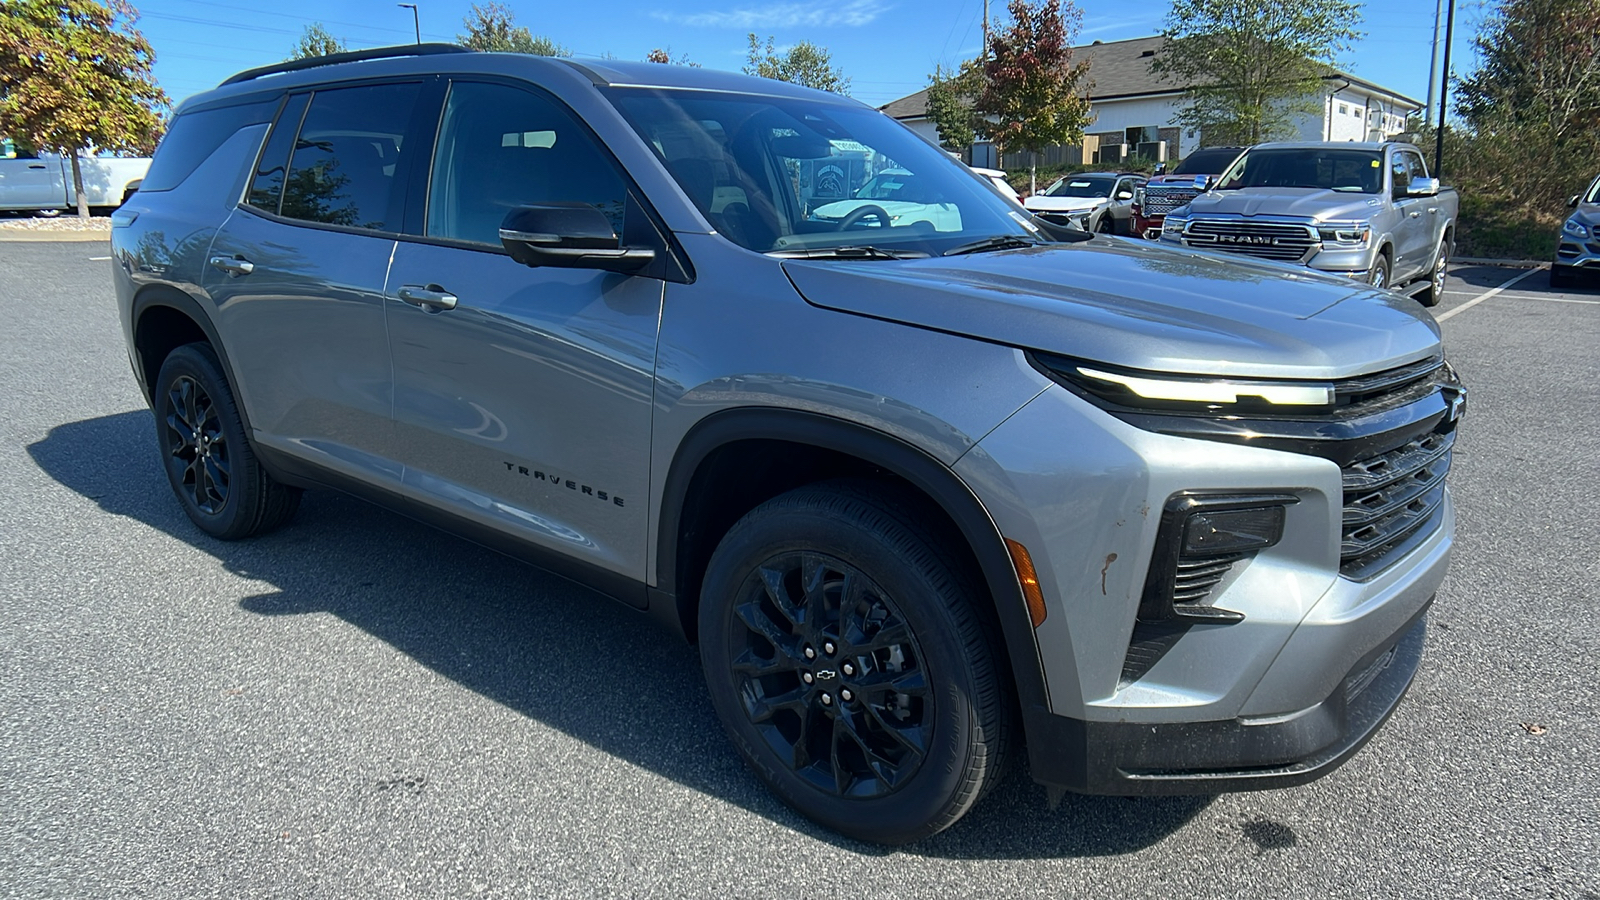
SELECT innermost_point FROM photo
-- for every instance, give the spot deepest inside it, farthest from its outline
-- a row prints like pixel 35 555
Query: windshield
pixel 1353 171
pixel 1594 192
pixel 778 174
pixel 1206 162
pixel 1081 187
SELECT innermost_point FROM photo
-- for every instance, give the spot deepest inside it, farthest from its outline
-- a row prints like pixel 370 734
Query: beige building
pixel 1135 112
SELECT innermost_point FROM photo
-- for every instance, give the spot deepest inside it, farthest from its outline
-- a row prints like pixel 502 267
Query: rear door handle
pixel 1415 214
pixel 431 297
pixel 37 166
pixel 233 265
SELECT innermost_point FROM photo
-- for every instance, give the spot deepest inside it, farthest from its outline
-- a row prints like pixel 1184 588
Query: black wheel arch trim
pixel 163 295
pixel 922 471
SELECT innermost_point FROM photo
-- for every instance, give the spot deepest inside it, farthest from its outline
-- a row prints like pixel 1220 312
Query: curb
pixel 1507 263
pixel 34 237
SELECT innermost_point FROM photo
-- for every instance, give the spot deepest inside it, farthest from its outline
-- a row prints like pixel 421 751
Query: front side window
pixel 344 166
pixel 501 148
pixel 1351 171
pixel 777 174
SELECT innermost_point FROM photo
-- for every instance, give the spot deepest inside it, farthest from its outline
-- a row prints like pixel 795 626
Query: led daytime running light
pixel 1217 391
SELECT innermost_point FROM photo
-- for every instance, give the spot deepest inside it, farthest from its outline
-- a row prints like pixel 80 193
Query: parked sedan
pixel 1579 251
pixel 1094 201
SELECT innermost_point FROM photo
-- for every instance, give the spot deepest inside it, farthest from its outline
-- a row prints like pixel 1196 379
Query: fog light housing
pixel 1201 537
pixel 1220 531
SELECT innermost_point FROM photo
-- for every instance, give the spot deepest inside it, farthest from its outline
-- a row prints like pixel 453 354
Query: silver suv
pixel 922 491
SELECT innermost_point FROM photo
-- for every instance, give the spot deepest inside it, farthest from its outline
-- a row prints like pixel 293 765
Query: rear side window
pixel 344 168
pixel 194 136
pixel 266 187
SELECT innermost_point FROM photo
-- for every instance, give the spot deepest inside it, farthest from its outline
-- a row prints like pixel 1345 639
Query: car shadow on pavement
pixel 549 650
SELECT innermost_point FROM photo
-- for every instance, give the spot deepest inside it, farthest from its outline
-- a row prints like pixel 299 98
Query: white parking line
pixel 1552 299
pixel 1475 301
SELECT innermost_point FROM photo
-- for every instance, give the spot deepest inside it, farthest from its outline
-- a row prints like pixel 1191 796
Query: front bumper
pixel 1239 754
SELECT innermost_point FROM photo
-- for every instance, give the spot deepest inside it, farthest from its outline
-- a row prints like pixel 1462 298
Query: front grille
pixel 1388 498
pixel 1158 201
pixel 1264 240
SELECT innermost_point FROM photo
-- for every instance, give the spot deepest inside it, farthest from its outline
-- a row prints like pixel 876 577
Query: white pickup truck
pixel 43 181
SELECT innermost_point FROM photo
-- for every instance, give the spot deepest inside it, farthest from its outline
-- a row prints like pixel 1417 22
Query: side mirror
pixel 1161 168
pixel 570 236
pixel 1422 187
pixel 1573 203
pixel 1204 183
pixel 1124 195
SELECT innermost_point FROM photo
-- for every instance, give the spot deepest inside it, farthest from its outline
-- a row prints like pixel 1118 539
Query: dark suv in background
pixel 921 487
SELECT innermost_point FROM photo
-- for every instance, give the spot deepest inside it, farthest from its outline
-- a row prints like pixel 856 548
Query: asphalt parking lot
pixel 358 706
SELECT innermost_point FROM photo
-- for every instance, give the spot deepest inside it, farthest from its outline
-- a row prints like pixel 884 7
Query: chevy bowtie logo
pixel 825 674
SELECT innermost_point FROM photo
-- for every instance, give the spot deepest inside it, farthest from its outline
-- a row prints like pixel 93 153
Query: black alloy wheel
pixel 850 656
pixel 197 445
pixel 829 675
pixel 207 457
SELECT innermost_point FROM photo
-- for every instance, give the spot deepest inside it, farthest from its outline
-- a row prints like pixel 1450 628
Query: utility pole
pixel 415 21
pixel 1433 61
pixel 1444 93
pixel 984 53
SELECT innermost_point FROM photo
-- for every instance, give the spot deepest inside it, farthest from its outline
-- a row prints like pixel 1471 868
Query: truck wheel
pixel 849 666
pixel 1378 275
pixel 1434 292
pixel 206 454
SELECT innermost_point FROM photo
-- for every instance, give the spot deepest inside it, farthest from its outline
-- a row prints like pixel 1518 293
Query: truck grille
pixel 1158 201
pixel 1389 497
pixel 1265 240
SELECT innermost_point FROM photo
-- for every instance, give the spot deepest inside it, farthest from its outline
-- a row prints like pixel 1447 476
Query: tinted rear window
pixel 194 136
pixel 345 164
pixel 1206 162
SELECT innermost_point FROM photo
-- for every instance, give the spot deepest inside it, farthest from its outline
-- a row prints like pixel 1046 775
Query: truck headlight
pixel 1346 235
pixel 1576 229
pixel 1173 224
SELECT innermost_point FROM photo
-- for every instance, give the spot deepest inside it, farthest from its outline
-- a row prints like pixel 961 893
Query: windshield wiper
pixel 852 252
pixel 998 242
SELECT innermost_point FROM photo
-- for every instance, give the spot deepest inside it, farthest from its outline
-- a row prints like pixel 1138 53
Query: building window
pixel 1344 109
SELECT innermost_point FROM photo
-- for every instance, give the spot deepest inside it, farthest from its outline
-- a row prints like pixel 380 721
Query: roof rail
pixel 312 62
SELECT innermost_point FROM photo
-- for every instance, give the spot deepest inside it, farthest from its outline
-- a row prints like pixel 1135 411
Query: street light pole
pixel 1444 93
pixel 415 21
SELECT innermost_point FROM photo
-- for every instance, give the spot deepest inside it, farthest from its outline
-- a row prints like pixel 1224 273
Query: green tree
pixel 316 41
pixel 1033 94
pixel 804 64
pixel 1539 71
pixel 75 76
pixel 950 94
pixel 492 27
pixel 1251 68
pixel 665 57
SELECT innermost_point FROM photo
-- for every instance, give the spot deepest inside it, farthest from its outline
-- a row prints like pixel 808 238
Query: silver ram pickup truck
pixel 920 490
pixel 1369 211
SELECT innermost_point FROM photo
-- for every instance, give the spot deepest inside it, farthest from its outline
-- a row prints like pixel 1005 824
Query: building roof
pixel 1120 70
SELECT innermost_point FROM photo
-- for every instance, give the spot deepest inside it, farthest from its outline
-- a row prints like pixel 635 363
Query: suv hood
pixel 1062 204
pixel 1308 203
pixel 1138 305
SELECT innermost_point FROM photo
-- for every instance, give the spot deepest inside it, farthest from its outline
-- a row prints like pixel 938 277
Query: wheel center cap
pixel 826 674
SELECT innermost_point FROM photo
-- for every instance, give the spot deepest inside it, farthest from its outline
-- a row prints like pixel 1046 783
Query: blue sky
pixel 887 47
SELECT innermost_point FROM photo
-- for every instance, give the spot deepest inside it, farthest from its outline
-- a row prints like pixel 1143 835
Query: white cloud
pixel 850 13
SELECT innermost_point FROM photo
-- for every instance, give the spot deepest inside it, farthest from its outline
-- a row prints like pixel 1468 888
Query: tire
pixel 1106 225
pixel 1563 276
pixel 1378 275
pixel 206 454
pixel 910 665
pixel 1434 292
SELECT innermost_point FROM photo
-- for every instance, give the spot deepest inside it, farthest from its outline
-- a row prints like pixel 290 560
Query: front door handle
pixel 37 166
pixel 1415 214
pixel 432 297
pixel 233 265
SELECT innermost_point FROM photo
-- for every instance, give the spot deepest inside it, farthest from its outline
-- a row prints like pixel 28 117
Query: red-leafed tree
pixel 1033 94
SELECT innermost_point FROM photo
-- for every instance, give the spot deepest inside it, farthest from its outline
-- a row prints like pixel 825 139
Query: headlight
pixel 1576 229
pixel 1347 235
pixel 1152 390
pixel 1173 224
pixel 1138 197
